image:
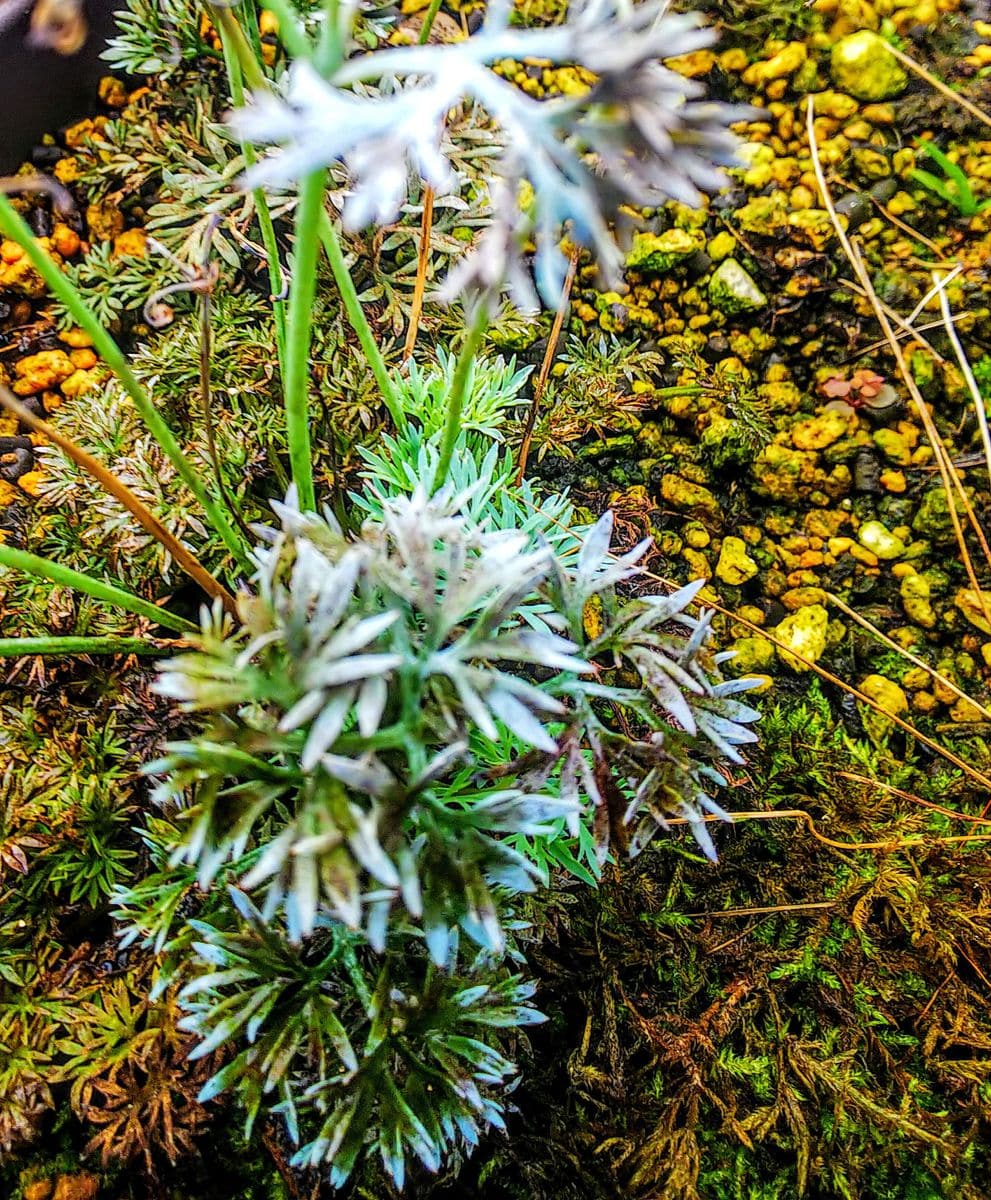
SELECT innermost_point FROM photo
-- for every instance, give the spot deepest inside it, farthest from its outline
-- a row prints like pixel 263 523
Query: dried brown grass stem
pixel 545 368
pixel 120 491
pixel 948 473
pixel 422 266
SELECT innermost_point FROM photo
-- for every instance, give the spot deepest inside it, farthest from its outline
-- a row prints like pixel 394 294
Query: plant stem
pixel 115 487
pixel 291 33
pixel 13 226
pixel 225 21
pixel 99 589
pixel 29 646
pixel 235 78
pixel 330 48
pixel 459 385
pixel 678 389
pixel 328 58
pixel 357 319
pixel 299 334
pixel 428 22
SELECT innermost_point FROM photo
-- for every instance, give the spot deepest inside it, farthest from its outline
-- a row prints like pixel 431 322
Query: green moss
pixel 657 253
pixel 768 1029
pixel 862 65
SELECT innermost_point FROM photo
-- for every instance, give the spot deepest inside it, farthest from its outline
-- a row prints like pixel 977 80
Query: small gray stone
pixel 732 290
pixel 15 463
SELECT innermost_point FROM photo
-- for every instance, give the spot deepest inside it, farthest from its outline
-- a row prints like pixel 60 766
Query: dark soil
pixel 40 90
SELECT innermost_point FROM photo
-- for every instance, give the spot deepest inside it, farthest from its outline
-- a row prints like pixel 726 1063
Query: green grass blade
pixel 428 22
pixel 299 335
pixel 357 319
pixel 949 168
pixel 29 646
pixel 937 186
pixel 99 589
pixel 13 226
pixel 330 47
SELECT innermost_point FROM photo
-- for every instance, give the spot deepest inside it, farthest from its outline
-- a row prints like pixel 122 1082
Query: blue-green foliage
pixel 411 729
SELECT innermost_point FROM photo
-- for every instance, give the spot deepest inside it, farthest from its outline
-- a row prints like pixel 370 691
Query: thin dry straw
pixel 799 814
pixel 422 264
pixel 545 367
pixel 939 85
pixel 968 374
pixel 120 491
pixel 912 658
pixel 946 468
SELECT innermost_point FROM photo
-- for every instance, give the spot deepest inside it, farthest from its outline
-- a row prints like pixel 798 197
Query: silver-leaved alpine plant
pixel 641 135
pixel 410 723
pixel 369 672
pixel 401 731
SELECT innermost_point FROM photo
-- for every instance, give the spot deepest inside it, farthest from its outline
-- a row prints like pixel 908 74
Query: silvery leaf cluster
pixel 392 1058
pixel 339 753
pixel 642 134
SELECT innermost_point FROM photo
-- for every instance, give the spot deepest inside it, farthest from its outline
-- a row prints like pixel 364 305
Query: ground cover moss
pixel 805 1019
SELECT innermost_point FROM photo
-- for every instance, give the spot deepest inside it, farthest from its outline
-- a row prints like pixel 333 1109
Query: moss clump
pixel 862 65
pixel 659 252
pixel 804 1019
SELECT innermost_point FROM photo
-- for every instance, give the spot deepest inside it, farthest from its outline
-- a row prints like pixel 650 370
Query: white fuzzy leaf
pixel 520 720
pixel 326 728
